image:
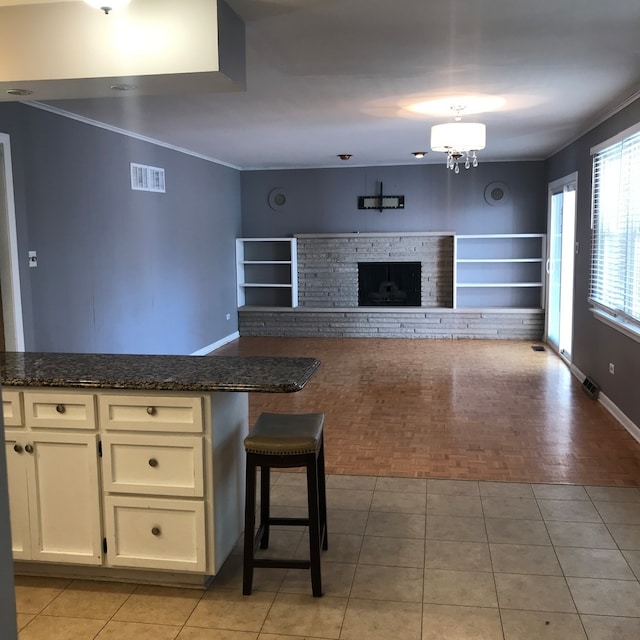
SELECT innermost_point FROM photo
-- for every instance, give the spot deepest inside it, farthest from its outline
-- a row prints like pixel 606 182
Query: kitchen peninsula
pixel 131 466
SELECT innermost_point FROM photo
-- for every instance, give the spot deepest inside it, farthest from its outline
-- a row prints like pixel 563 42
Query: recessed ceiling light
pixel 19 92
pixel 419 154
pixel 344 156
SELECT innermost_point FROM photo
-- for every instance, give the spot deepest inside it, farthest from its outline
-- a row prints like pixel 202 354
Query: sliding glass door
pixel 560 263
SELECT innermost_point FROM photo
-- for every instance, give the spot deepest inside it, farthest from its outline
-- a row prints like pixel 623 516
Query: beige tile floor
pixel 410 559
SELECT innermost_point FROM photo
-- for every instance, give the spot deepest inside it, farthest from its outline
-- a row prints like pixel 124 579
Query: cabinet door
pixel 64 505
pixel 17 461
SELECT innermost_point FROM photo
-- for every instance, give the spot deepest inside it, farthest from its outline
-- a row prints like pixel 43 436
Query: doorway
pixel 560 264
pixel 11 303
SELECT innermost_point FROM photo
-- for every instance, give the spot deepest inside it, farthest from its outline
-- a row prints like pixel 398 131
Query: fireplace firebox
pixel 390 284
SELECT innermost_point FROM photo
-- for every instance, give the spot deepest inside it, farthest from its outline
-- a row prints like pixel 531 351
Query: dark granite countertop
pixel 156 372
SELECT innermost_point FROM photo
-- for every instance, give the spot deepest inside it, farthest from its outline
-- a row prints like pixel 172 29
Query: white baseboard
pixel 216 345
pixel 611 407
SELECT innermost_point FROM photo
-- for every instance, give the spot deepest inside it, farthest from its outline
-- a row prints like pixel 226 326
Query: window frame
pixel 616 318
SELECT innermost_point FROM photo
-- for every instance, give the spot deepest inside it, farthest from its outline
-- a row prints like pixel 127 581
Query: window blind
pixel 615 268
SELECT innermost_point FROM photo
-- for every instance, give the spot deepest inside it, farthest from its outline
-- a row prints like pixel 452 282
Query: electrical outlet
pixel 612 368
pixel 228 316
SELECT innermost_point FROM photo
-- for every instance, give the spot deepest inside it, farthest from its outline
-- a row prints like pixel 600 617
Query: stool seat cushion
pixel 285 434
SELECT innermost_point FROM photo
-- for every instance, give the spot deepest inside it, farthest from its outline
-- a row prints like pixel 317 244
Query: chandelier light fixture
pixel 107 5
pixel 459 140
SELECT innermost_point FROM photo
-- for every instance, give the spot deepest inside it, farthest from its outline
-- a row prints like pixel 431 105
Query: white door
pixel 64 507
pixel 11 306
pixel 560 264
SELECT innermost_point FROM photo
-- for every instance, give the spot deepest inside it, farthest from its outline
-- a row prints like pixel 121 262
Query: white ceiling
pixel 326 77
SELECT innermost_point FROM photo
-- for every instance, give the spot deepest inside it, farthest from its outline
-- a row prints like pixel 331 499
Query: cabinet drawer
pixel 12 408
pixel 153 465
pixel 155 533
pixel 59 410
pixel 151 413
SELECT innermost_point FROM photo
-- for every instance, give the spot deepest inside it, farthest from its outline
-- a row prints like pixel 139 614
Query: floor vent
pixel 590 388
pixel 538 347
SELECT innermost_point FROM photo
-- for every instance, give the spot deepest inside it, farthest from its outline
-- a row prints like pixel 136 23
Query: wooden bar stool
pixel 284 440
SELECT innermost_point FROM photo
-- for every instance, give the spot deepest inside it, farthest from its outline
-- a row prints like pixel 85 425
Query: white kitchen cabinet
pixel 173 478
pixel 53 484
pixel 154 472
pixel 125 480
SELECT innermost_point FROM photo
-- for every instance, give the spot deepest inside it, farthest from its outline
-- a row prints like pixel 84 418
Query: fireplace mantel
pixel 375 234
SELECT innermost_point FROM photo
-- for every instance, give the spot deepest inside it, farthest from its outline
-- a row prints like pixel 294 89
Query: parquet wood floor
pixel 482 410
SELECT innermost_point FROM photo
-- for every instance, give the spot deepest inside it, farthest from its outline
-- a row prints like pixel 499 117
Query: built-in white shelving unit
pixel 499 270
pixel 267 272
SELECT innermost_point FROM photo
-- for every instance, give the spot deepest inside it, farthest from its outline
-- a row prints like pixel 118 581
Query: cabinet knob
pixel 153 462
pixel 156 531
pixel 60 408
pixel 17 448
pixel 29 448
pixel 151 411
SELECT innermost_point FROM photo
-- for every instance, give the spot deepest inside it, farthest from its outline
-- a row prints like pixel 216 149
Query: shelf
pixel 499 270
pixel 497 260
pixel 500 236
pixel 498 284
pixel 267 272
pixel 265 284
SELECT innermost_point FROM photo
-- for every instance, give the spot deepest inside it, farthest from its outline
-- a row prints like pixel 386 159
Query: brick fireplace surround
pixel 328 294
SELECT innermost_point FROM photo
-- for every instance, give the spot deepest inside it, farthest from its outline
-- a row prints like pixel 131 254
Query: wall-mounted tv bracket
pixel 380 201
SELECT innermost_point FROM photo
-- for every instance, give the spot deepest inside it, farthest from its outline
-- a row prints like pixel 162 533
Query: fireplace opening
pixel 390 284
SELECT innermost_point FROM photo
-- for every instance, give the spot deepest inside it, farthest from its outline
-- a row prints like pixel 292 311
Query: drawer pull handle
pixel 29 448
pixel 17 448
pixel 60 408
pixel 153 462
pixel 151 411
pixel 156 531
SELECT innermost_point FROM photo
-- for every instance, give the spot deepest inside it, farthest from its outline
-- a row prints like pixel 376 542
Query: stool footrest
pixel 275 563
pixel 292 522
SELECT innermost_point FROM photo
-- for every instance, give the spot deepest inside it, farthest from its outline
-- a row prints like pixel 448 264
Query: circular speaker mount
pixel 277 199
pixel 497 194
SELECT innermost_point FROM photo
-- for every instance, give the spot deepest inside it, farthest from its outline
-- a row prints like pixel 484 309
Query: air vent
pixel 590 388
pixel 145 178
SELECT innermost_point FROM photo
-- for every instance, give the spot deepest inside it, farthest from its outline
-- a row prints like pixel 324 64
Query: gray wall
pixel 595 344
pixel 120 270
pixel 7 594
pixel 325 200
